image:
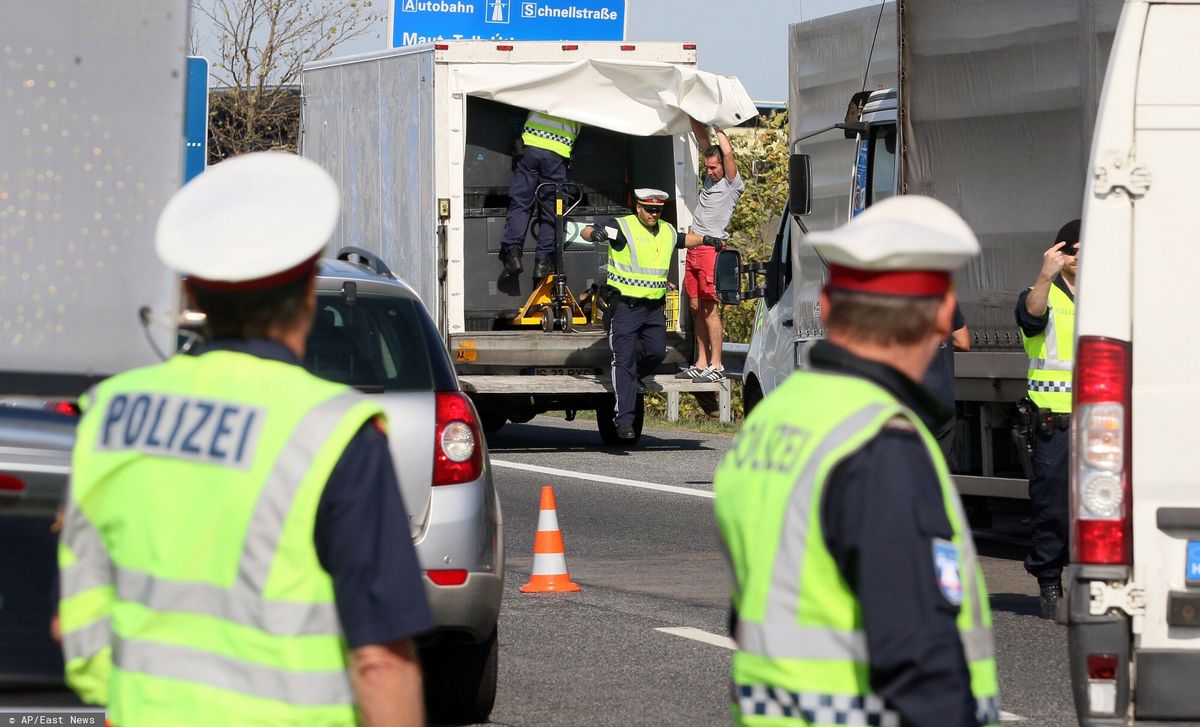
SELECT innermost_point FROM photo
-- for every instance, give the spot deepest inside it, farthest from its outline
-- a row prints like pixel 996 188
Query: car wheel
pixel 460 681
pixel 608 428
pixel 751 395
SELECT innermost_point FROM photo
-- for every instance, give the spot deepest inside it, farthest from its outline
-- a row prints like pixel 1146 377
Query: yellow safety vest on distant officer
pixel 802 654
pixel 191 587
pixel 550 132
pixel 1052 355
pixel 640 269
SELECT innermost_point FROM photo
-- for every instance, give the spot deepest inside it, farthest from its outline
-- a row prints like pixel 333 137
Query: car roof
pixel 330 273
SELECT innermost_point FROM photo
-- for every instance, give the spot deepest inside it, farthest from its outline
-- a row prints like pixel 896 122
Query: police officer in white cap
pixel 640 247
pixel 857 597
pixel 235 548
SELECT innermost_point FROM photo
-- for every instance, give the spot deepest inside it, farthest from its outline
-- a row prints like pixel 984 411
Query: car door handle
pixel 788 322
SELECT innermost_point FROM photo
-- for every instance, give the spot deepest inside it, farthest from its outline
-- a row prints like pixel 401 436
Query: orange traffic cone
pixel 549 559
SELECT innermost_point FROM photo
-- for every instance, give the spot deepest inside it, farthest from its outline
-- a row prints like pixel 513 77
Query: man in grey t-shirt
pixel 719 193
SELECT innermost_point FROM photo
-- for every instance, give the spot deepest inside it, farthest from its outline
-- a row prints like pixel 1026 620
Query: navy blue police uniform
pixel 939 380
pixel 630 321
pixel 917 664
pixel 1048 493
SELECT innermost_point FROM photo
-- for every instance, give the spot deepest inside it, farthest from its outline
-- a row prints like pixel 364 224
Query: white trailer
pixel 92 122
pixel 421 142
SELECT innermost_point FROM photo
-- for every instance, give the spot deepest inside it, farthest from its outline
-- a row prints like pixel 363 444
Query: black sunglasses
pixel 655 210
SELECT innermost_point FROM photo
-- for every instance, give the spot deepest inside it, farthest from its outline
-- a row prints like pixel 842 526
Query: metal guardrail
pixel 733 355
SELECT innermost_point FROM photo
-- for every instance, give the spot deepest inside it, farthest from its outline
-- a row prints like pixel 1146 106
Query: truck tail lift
pixel 552 305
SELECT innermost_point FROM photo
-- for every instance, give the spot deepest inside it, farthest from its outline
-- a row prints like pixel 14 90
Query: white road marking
pixel 602 478
pixel 1010 717
pixel 688 632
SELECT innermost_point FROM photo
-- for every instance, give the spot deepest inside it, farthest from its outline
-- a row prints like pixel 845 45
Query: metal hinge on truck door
pixel 1121 176
pixel 1106 597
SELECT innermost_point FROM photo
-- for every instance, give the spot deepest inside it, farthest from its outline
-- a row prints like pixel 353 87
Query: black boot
pixel 1050 596
pixel 512 264
pixel 542 268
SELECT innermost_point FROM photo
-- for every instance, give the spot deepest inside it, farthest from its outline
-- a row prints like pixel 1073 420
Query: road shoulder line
pixel 602 478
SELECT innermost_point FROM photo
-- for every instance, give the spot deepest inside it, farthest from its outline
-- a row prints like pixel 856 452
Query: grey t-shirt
pixel 717 199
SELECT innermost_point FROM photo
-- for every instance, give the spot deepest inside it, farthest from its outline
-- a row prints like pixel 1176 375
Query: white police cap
pixel 906 245
pixel 249 219
pixel 647 195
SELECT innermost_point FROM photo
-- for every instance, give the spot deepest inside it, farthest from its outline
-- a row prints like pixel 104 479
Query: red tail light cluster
pixel 1101 429
pixel 447 577
pixel 457 444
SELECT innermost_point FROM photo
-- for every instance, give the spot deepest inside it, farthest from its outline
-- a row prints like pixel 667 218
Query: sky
pixel 744 38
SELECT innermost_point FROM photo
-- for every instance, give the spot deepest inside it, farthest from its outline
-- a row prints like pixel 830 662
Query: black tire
pixel 608 428
pixel 491 420
pixel 751 395
pixel 460 681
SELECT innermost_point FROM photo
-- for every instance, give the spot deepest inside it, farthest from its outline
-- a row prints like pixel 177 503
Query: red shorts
pixel 698 273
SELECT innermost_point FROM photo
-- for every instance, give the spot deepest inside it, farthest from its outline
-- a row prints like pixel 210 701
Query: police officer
pixel 1046 315
pixel 234 524
pixel 640 246
pixel 546 144
pixel 857 596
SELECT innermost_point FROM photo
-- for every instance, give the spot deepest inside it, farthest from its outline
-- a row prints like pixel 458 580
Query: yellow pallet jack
pixel 552 305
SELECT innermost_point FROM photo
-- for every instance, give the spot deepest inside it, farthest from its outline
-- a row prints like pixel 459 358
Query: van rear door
pixel 1166 366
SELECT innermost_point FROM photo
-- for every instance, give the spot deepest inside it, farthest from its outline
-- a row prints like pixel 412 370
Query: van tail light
pixel 457 445
pixel 1100 453
pixel 66 408
pixel 12 489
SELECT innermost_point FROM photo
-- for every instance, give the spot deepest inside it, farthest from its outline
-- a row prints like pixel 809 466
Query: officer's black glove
pixel 599 235
pixel 716 242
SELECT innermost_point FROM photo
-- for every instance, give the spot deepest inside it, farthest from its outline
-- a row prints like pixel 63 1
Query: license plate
pixel 1192 575
pixel 562 371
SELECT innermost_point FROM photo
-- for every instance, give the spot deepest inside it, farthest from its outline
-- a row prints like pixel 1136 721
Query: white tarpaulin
pixel 644 98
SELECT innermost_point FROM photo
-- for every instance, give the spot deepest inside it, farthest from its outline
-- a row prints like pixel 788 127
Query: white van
pixel 1134 579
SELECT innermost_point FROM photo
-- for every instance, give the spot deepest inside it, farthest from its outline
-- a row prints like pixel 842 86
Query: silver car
pixel 35 458
pixel 372 332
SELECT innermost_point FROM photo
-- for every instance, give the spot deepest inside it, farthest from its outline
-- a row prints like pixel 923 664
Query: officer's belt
pixel 641 302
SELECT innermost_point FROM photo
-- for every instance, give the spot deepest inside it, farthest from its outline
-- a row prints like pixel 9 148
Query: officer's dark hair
pixel 714 152
pixel 251 313
pixel 885 320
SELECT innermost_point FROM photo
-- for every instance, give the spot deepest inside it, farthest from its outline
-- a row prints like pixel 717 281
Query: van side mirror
pixel 800 184
pixel 728 278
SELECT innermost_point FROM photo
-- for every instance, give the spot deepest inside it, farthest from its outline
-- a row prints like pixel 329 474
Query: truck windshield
pixel 375 344
pixel 874 168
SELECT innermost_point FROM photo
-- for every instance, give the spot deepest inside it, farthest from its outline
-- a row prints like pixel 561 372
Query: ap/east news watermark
pixel 42 716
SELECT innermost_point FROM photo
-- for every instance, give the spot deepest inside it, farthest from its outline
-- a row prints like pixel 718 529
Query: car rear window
pixel 374 344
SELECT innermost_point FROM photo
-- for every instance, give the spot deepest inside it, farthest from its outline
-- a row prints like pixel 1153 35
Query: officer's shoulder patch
pixel 946 566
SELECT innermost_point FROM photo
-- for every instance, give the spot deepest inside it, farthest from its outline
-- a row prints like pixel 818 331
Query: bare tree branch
pixel 261 48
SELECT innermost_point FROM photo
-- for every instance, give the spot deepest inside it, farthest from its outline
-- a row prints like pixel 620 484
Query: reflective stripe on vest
pixel 1051 354
pixel 640 269
pixel 550 132
pixel 269 601
pixel 801 652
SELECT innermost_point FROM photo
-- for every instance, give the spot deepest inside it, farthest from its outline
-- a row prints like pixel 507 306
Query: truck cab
pixel 1134 578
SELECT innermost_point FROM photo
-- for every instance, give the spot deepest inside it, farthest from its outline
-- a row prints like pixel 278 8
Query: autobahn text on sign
pixel 414 22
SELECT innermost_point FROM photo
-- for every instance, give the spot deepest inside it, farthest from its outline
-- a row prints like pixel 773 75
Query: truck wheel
pixel 460 681
pixel 492 421
pixel 608 428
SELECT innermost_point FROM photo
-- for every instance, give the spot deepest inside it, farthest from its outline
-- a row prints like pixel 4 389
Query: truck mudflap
pixel 1101 688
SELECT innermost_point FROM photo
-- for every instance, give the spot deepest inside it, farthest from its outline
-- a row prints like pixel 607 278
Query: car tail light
pixel 447 577
pixel 1101 433
pixel 12 489
pixel 68 408
pixel 457 448
pixel 1102 683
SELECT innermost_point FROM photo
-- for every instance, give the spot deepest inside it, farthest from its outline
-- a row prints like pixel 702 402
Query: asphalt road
pixel 641 541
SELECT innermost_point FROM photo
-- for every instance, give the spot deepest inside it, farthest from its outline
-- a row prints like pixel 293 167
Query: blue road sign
pixel 426 21
pixel 195 118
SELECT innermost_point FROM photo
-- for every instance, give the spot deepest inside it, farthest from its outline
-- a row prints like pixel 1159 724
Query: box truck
pixel 92 122
pixel 421 140
pixel 1134 579
pixel 985 106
